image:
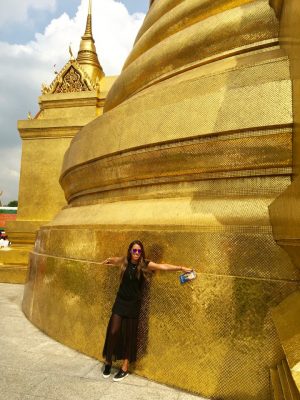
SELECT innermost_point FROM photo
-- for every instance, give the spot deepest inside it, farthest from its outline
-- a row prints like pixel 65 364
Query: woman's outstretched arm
pixel 117 261
pixel 167 267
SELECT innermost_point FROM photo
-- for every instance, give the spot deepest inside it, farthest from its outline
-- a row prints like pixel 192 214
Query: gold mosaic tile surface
pixel 196 145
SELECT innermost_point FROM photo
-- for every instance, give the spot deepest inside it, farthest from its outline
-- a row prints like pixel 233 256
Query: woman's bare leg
pixel 113 331
pixel 125 365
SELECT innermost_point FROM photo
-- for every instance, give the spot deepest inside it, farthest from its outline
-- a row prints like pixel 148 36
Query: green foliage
pixel 13 203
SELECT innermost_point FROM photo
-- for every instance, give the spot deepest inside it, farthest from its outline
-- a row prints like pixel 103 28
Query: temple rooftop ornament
pixel 72 78
pixel 71 53
pixel 82 74
pixel 87 55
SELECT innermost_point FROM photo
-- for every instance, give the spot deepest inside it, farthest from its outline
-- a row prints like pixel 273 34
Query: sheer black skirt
pixel 121 339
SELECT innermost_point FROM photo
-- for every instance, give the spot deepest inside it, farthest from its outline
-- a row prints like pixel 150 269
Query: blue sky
pixel 24 31
pixel 35 35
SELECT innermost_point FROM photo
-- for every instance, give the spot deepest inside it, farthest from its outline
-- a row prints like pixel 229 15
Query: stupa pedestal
pixel 196 142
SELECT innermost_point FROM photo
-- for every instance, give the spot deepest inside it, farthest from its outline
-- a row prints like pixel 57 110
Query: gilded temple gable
pixel 72 78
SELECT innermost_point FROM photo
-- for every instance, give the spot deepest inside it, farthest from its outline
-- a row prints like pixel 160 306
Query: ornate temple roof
pixel 72 78
pixel 82 74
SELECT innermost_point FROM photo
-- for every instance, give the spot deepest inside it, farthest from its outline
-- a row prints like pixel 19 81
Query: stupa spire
pixel 87 55
pixel 88 29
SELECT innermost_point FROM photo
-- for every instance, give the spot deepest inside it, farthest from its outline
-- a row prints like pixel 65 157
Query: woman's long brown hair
pixel 141 267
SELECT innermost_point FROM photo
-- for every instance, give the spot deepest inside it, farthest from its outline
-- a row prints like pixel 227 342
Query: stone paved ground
pixel 35 367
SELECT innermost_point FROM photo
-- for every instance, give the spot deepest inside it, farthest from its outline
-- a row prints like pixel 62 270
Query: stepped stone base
pixel 283 385
pixel 14 259
pixel 13 273
pixel 287 323
pixel 14 264
pixel 15 255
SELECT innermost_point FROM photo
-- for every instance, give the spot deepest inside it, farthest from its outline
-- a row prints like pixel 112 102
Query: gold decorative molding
pixel 277 5
pixel 72 82
pixel 282 383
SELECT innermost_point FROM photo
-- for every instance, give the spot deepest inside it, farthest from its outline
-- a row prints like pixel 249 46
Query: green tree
pixel 13 203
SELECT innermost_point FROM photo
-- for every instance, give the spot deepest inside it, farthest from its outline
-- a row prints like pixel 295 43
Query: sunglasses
pixel 134 251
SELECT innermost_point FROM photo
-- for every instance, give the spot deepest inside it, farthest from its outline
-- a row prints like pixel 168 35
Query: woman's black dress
pixel 121 335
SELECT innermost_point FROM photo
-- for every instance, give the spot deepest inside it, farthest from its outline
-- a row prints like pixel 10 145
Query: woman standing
pixel 121 335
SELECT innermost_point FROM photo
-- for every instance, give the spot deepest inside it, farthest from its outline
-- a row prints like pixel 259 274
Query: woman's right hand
pixel 113 261
pixel 108 261
pixel 185 270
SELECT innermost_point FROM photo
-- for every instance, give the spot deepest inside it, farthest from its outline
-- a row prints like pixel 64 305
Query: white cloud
pixel 23 68
pixel 9 173
pixel 114 30
pixel 17 11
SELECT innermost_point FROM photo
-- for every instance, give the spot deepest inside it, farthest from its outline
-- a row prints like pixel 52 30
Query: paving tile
pixel 20 359
pixel 9 395
pixel 70 388
pixel 70 366
pixel 29 397
pixel 13 327
pixel 154 385
pixel 135 380
pixel 50 346
pixel 29 344
pixel 128 391
pixel 120 391
pixel 17 382
pixel 189 396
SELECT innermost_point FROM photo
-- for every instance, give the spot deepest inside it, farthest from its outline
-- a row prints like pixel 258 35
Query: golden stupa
pixel 199 138
pixel 74 98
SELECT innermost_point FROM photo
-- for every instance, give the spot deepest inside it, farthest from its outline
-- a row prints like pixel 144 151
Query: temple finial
pixel 88 29
pixel 87 55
